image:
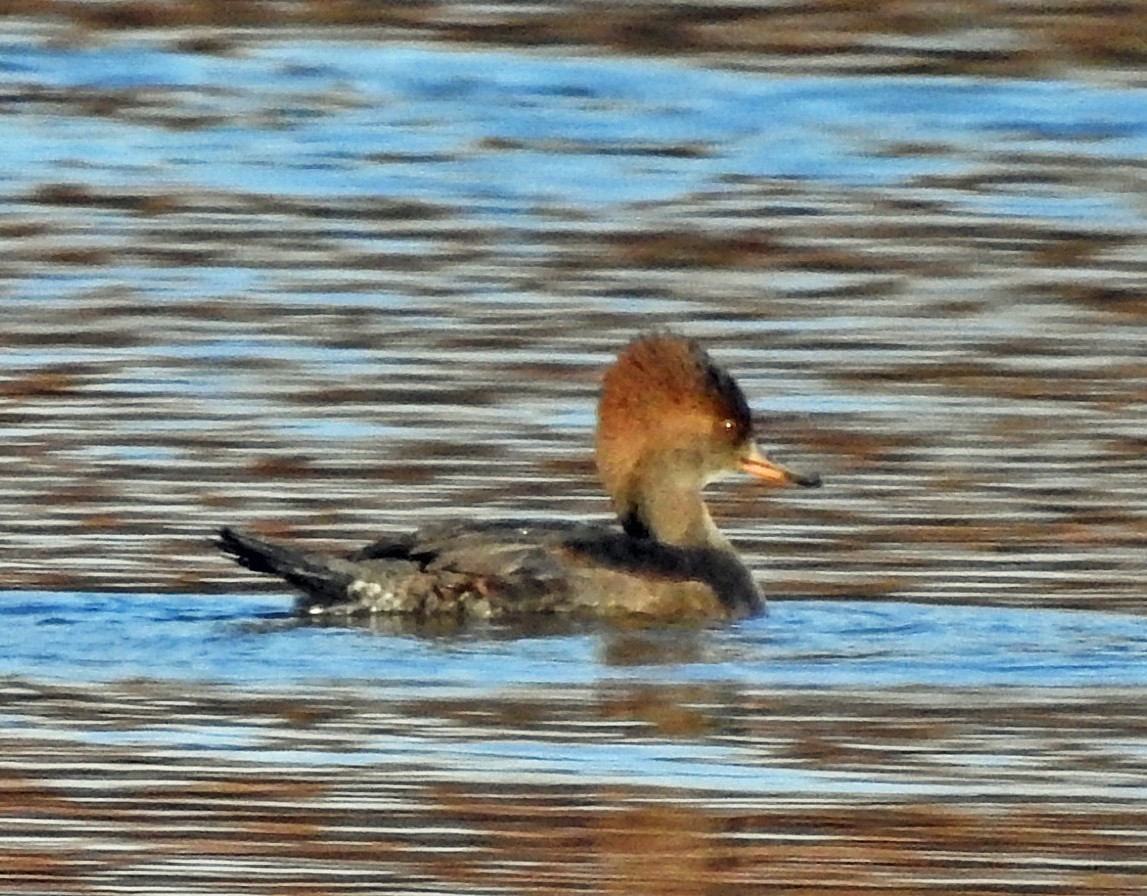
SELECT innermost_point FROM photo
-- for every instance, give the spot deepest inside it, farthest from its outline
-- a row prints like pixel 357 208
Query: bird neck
pixel 666 504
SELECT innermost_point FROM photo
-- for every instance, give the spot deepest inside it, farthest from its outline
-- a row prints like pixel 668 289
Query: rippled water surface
pixel 334 282
pixel 174 742
pixel 234 641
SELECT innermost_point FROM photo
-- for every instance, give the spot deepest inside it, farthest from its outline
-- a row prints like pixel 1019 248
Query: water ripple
pixel 799 644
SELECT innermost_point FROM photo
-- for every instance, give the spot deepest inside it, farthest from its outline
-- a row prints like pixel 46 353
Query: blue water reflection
pixel 251 641
pixel 501 134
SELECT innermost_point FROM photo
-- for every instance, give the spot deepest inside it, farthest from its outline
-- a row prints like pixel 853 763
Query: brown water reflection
pixel 150 786
pixel 980 425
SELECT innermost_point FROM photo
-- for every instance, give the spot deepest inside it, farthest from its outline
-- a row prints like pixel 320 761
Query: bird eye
pixel 728 426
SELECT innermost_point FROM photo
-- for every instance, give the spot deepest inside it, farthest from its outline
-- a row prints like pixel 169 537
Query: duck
pixel 669 421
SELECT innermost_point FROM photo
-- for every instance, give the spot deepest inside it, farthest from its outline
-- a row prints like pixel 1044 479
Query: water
pixel 337 285
pixel 237 641
pixel 825 735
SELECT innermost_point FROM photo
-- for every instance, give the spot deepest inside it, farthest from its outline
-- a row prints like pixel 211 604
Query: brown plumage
pixel 669 421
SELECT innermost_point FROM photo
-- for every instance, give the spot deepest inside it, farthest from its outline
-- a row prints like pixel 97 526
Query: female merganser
pixel 669 420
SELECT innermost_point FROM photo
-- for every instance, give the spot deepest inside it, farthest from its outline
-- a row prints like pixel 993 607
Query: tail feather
pixel 324 577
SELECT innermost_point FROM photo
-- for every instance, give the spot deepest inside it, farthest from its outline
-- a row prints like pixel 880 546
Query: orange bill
pixel 760 467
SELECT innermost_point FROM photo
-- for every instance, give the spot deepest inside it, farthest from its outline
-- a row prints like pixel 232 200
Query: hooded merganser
pixel 669 421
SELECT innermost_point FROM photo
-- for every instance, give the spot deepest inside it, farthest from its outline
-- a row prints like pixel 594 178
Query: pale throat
pixel 667 499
